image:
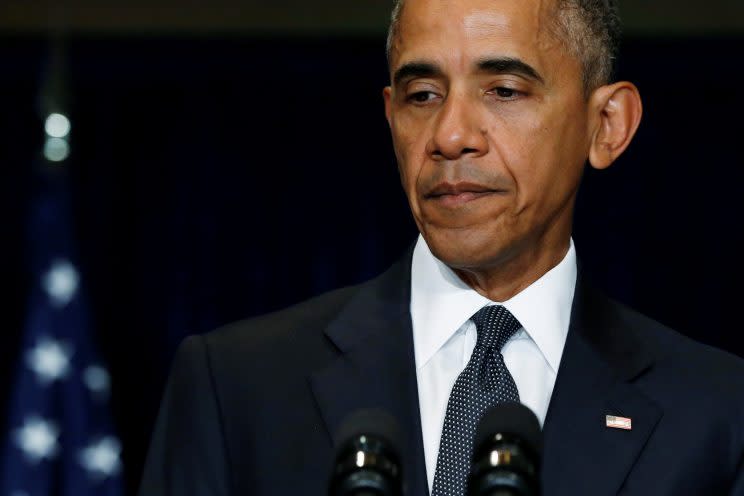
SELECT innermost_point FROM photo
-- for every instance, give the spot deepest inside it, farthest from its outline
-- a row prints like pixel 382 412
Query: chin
pixel 464 248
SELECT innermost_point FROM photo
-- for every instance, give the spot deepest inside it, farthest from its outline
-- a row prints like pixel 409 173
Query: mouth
pixel 455 195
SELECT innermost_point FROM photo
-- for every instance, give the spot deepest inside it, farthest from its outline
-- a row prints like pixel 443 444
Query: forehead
pixel 459 31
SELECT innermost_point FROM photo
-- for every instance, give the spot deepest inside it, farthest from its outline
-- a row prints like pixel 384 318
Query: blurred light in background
pixel 57 125
pixel 56 149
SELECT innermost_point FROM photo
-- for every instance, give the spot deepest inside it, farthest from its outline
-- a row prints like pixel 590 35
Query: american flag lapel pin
pixel 615 422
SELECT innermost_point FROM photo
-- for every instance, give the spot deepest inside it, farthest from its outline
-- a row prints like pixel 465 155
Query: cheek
pixel 560 174
pixel 520 141
pixel 542 154
pixel 409 150
pixel 569 150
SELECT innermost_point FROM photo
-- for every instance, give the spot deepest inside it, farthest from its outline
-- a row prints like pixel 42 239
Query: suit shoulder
pixel 289 324
pixel 674 349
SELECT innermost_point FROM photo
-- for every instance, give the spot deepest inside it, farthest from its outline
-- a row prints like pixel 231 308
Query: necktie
pixel 485 382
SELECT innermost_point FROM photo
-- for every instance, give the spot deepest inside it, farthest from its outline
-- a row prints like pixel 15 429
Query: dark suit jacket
pixel 251 409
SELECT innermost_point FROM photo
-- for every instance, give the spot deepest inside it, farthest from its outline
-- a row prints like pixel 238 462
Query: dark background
pixel 215 177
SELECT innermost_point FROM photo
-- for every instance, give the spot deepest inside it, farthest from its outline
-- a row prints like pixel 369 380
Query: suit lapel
pixel 376 366
pixel 601 357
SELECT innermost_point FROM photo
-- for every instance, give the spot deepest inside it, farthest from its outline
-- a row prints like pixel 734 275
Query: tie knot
pixel 495 325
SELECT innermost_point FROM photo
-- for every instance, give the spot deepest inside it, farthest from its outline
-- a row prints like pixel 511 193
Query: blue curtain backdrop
pixel 215 179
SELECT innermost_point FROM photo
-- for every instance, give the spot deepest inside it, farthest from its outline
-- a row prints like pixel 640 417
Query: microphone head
pixel 507 451
pixel 511 419
pixel 373 422
pixel 367 456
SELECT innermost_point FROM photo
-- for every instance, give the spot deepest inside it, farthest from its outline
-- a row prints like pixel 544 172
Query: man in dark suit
pixel 494 106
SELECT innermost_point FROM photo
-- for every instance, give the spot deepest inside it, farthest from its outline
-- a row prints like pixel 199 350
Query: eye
pixel 421 97
pixel 506 92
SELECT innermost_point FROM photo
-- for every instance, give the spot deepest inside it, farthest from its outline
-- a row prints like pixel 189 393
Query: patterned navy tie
pixel 485 382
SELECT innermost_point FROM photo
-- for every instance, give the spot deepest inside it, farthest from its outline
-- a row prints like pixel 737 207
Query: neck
pixel 504 279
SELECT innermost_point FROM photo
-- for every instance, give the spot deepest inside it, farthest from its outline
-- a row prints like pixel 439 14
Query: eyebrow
pixel 416 69
pixel 509 65
pixel 490 65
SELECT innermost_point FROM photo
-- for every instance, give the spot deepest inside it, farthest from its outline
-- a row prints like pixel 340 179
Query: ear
pixel 616 113
pixel 387 94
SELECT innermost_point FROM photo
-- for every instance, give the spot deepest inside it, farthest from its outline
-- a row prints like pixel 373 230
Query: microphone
pixel 367 456
pixel 507 452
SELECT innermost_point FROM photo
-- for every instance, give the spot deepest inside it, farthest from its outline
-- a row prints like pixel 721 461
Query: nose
pixel 457 130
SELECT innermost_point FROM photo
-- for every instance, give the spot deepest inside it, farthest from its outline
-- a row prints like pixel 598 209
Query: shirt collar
pixel 441 303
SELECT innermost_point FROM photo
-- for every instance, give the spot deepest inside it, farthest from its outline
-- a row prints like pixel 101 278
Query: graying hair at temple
pixel 590 30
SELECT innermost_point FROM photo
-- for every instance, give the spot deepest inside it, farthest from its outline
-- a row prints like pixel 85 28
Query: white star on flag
pixel 37 439
pixel 49 359
pixel 97 379
pixel 61 282
pixel 101 458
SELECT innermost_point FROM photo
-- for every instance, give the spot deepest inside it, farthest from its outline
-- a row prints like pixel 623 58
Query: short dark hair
pixel 590 29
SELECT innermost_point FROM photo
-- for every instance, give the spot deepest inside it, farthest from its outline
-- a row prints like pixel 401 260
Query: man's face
pixel 489 124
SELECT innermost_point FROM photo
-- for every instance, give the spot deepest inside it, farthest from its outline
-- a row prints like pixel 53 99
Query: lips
pixel 453 195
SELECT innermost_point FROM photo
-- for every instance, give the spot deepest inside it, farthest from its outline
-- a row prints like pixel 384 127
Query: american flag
pixel 60 440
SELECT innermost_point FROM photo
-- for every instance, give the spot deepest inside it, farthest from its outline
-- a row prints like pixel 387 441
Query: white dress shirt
pixel 444 337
